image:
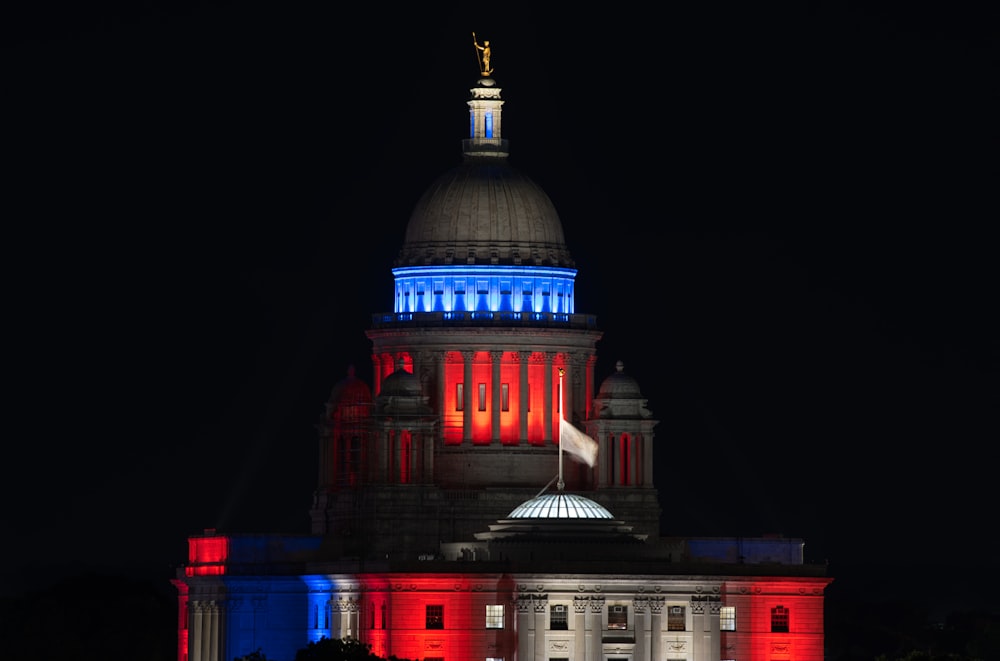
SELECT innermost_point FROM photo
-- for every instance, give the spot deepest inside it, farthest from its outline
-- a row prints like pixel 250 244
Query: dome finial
pixel 620 366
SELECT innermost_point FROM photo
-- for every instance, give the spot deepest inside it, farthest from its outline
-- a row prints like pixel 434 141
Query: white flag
pixel 577 443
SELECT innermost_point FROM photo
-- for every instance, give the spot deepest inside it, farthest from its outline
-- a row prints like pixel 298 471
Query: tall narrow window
pixel 618 617
pixel 482 396
pixel 494 616
pixel 489 124
pixel 434 617
pixel 675 619
pixel 383 616
pixel 727 618
pixel 557 618
pixel 779 619
pixel 459 396
pixel 504 396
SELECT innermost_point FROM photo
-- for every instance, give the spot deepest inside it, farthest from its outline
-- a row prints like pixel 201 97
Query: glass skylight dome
pixel 559 506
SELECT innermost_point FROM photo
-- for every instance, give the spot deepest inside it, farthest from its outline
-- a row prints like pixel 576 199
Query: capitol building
pixel 484 495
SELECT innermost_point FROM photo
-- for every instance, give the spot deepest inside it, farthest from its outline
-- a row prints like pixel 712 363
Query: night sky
pixel 782 218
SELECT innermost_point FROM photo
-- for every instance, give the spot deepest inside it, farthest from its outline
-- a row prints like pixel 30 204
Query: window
pixel 779 619
pixel 435 617
pixel 494 616
pixel 459 396
pixel 482 396
pixel 482 287
pixel 675 619
pixel 727 618
pixel 558 619
pixel 618 617
pixel 504 396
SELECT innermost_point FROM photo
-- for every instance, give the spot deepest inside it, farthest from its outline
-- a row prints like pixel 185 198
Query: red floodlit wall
pixel 207 555
pixel 753 639
pixel 182 619
pixel 463 599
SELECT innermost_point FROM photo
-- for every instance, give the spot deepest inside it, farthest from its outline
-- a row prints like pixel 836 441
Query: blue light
pixel 505 289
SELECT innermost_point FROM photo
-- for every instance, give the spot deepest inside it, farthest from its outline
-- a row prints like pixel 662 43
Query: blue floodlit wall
pixel 484 289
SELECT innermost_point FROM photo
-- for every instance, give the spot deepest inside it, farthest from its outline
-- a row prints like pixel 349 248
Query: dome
pixel 400 384
pixel 619 384
pixel 559 506
pixel 484 212
pixel 350 391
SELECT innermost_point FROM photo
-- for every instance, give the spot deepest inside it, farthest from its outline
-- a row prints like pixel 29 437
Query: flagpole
pixel 561 415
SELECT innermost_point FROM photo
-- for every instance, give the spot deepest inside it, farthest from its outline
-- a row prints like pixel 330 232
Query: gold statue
pixel 484 61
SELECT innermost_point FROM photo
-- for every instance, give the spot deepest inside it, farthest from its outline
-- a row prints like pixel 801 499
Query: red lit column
pixel 547 409
pixel 522 393
pixel 467 357
pixel 496 358
pixel 588 398
pixel 569 382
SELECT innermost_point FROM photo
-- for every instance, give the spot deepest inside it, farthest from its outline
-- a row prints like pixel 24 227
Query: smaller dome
pixel 619 384
pixel 350 391
pixel 401 384
pixel 559 506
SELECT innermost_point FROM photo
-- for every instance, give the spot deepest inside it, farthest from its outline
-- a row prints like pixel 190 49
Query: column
pixel 524 643
pixel 596 627
pixel 569 386
pixel 215 643
pixel 647 460
pixel 580 628
pixel 634 458
pixel 540 603
pixel 496 358
pixel 439 375
pixel 196 633
pixel 468 357
pixel 377 364
pixel 655 628
pixel 547 408
pixel 522 394
pixel 641 630
pixel 589 396
pixel 603 456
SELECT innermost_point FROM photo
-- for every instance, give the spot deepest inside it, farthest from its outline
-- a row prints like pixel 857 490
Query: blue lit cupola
pixel 485 240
